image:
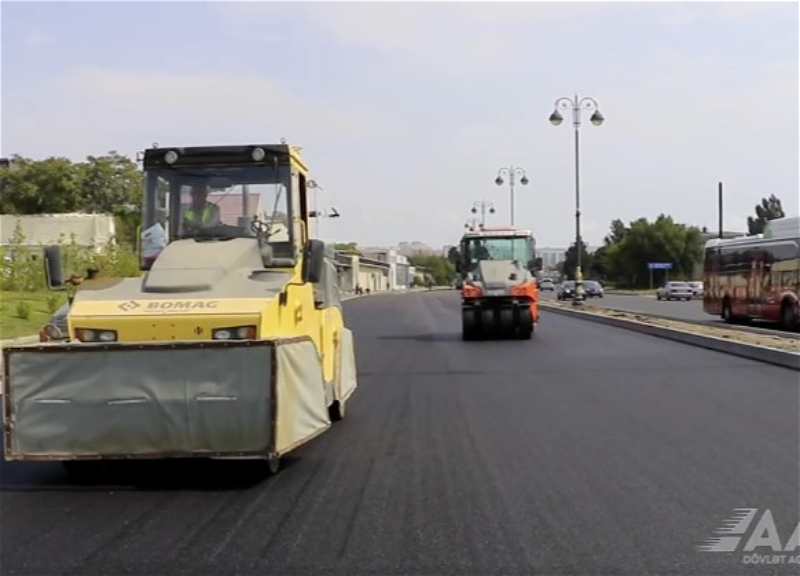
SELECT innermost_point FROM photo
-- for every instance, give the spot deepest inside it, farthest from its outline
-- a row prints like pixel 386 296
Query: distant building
pixel 230 206
pixel 551 257
pixel 400 275
pixel 415 249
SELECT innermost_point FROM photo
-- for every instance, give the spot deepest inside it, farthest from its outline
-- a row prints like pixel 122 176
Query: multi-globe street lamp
pixel 577 106
pixel 483 206
pixel 512 173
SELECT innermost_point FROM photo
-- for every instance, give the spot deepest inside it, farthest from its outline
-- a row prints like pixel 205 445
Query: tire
pixel 507 326
pixel 486 324
pixel 525 327
pixel 336 411
pixel 727 313
pixel 469 325
pixel 273 464
pixel 787 316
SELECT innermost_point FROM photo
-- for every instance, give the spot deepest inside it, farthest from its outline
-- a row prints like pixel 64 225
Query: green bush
pixel 23 266
pixel 23 310
pixel 53 303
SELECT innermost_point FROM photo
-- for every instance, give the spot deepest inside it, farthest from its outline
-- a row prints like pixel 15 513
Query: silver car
pixel 675 291
pixel 697 289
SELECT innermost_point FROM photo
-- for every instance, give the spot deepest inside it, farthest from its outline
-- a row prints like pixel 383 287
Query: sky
pixel 406 111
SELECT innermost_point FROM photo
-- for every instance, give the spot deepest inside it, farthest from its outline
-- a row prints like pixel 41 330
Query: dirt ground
pixel 778 343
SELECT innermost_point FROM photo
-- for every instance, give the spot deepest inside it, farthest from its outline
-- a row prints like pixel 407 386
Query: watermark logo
pixel 761 544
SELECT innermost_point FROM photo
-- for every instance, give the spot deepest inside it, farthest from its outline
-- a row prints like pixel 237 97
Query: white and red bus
pixel 755 277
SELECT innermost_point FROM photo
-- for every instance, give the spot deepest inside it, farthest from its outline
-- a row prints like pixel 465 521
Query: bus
pixel 755 277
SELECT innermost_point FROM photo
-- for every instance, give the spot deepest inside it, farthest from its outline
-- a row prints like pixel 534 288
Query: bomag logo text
pixel 183 305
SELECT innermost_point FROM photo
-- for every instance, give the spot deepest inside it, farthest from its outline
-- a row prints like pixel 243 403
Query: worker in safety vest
pixel 201 213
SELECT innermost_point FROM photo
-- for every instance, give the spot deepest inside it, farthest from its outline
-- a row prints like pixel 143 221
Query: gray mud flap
pixel 142 400
pixel 346 377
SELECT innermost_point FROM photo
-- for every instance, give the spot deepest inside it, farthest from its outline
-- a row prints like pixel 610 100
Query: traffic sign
pixel 659 265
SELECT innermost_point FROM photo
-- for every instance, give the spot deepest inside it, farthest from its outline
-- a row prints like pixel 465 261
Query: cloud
pixel 37 39
pixel 736 13
pixel 100 107
pixel 406 110
pixel 461 39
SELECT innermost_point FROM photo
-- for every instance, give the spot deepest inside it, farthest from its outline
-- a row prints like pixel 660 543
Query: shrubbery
pixel 23 266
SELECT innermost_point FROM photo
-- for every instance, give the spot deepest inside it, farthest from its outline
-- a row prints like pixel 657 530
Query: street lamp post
pixel 472 224
pixel 317 213
pixel 577 105
pixel 512 174
pixel 483 206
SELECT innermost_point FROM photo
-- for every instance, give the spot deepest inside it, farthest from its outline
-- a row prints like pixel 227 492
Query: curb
pixel 782 358
pixel 23 340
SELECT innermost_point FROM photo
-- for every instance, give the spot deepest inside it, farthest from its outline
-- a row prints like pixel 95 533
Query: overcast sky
pixel 406 111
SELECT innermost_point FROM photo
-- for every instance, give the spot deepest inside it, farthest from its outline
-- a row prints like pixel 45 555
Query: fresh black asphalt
pixel 586 450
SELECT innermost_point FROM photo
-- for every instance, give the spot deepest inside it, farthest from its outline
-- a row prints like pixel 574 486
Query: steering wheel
pixel 260 228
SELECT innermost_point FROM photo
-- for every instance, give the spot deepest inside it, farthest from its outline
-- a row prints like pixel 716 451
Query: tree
pixel 663 240
pixel 113 184
pixel 598 268
pixel 571 261
pixel 50 186
pixel 347 248
pixel 110 184
pixel 453 255
pixel 769 209
pixel 618 231
pixel 438 267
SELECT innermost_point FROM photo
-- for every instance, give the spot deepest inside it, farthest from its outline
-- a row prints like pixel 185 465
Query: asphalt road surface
pixel 587 450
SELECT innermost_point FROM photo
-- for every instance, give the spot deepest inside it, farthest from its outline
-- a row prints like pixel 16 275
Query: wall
pixel 89 229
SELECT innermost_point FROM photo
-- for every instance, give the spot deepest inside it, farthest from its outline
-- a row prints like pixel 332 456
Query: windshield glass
pixel 477 249
pixel 218 204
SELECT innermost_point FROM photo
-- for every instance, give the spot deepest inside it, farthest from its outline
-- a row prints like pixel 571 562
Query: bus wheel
pixel 727 316
pixel 787 316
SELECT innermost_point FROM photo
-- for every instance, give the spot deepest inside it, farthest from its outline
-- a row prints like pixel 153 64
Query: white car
pixel 546 284
pixel 675 291
pixel 697 289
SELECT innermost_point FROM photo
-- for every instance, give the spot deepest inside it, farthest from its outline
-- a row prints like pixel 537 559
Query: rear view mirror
pixel 313 261
pixel 53 267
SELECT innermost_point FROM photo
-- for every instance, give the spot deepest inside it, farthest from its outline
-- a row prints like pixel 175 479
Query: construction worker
pixel 201 213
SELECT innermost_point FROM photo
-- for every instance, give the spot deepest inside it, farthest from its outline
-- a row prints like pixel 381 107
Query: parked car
pixel 593 289
pixel 675 291
pixel 697 289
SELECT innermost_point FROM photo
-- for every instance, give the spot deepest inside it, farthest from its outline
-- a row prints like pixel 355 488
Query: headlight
pixel 235 333
pixel 92 335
